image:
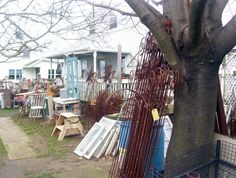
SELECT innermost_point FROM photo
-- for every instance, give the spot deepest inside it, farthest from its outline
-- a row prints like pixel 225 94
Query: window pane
pixel 53 72
pixel 102 68
pixel 92 28
pixel 11 74
pixel 18 74
pixel 113 22
pixel 58 73
pixel 49 71
pixel 84 66
pixel 123 64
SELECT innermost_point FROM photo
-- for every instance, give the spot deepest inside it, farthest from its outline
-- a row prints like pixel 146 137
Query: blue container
pixel 124 134
pixel 157 162
pixel 158 155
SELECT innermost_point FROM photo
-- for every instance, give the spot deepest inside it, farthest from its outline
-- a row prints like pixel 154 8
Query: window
pixel 92 28
pixel 25 52
pixel 49 74
pixel 18 74
pixel 113 22
pixel 123 64
pixel 84 67
pixel 58 70
pixel 58 73
pixel 102 65
pixel 19 34
pixel 15 74
pixel 11 75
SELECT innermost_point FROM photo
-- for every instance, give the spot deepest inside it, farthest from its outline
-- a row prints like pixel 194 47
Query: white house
pixel 42 68
pixel 29 68
pixel 100 47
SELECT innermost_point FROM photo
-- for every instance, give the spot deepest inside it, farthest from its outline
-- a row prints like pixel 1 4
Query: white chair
pixel 37 102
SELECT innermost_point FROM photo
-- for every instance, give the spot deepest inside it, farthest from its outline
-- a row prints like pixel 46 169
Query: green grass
pixel 8 112
pixel 53 147
pixel 42 175
pixel 3 151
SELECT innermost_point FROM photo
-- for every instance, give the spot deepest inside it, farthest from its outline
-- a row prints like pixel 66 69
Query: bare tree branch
pixel 28 5
pixel 6 3
pixel 226 38
pixel 109 7
pixel 195 21
pixel 157 3
pixel 155 25
pixel 21 30
pixel 213 14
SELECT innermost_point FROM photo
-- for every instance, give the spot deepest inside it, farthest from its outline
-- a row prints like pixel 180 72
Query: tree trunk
pixel 195 106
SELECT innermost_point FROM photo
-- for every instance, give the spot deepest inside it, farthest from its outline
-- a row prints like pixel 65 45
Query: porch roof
pixel 34 63
pixel 83 52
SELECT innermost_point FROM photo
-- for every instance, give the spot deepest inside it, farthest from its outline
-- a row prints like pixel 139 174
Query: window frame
pixel 10 74
pixel 18 76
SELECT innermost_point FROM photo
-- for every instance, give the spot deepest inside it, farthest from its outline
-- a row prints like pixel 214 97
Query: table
pixel 64 102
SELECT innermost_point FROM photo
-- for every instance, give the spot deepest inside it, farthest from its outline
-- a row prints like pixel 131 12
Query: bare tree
pixel 23 24
pixel 199 46
pixel 32 26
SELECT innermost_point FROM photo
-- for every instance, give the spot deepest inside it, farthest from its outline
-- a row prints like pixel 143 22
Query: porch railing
pixel 89 91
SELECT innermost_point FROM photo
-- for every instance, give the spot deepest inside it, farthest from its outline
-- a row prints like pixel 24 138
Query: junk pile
pixel 104 104
pixel 6 93
pixel 101 139
pixel 107 103
pixel 144 113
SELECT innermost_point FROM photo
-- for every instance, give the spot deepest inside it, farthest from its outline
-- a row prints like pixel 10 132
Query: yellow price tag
pixel 155 114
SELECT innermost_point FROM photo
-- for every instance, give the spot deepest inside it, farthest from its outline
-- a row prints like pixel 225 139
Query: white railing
pixel 90 91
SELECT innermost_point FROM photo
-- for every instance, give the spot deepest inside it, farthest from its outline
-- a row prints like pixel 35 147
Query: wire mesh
pixel 215 160
pixel 228 80
pixel 228 152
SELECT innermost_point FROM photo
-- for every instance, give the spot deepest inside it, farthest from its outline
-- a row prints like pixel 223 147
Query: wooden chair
pixel 37 102
pixel 68 124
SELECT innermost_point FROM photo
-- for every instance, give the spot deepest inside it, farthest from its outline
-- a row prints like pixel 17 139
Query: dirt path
pixel 50 168
pixel 15 140
pixel 69 166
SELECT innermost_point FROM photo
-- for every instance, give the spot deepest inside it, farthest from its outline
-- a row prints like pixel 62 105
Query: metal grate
pixel 228 152
pixel 216 160
pixel 228 80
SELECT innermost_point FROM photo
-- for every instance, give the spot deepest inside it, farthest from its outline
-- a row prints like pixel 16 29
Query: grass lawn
pixel 3 152
pixel 5 113
pixel 53 146
pixel 8 112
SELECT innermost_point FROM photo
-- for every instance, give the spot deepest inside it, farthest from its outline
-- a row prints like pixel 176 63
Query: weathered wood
pixel 68 124
pixel 37 105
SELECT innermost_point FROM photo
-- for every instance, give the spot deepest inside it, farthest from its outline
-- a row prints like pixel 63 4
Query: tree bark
pixel 194 112
pixel 200 43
